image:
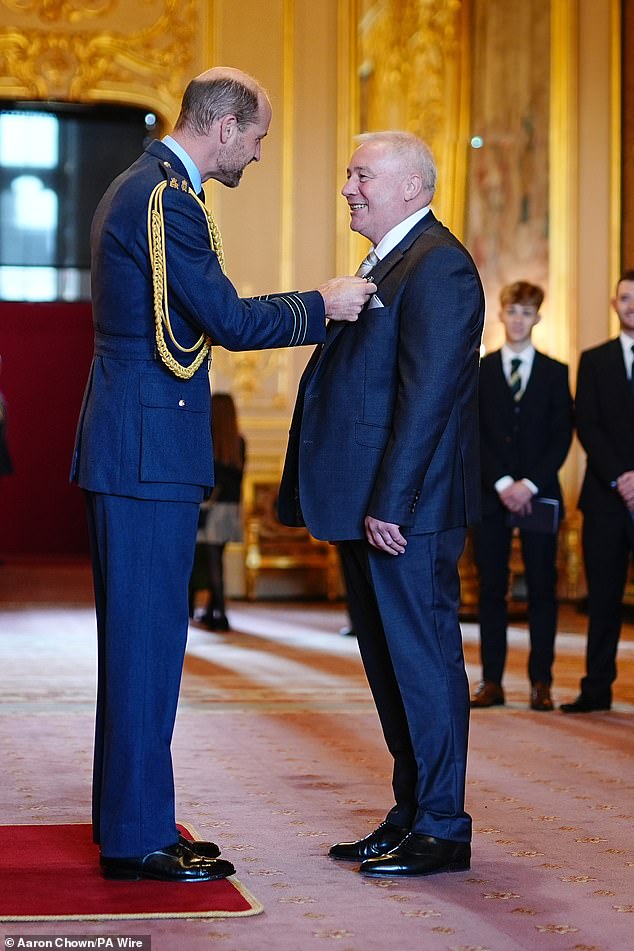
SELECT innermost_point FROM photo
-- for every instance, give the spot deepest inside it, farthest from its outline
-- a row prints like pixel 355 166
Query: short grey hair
pixel 205 101
pixel 412 150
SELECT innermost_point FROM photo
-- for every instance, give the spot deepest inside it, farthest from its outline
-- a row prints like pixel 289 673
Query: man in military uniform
pixel 143 452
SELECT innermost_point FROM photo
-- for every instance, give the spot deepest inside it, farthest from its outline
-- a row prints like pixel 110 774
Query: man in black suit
pixel 605 424
pixel 383 459
pixel 525 434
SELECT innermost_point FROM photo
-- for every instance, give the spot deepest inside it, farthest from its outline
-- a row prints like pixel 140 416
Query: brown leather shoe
pixel 488 694
pixel 540 697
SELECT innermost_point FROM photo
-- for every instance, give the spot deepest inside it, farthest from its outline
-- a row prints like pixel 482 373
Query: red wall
pixel 46 351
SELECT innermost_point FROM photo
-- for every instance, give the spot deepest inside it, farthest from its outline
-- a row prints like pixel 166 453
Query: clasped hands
pixel 345 297
pixel 517 498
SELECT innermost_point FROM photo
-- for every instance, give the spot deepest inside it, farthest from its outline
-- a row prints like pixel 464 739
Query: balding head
pixel 218 92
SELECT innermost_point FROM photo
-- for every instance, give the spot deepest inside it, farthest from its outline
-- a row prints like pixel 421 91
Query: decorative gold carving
pixel 411 74
pixel 143 58
pixel 70 10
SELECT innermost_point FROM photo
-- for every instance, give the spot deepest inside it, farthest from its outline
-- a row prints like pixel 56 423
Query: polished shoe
pixel 174 863
pixel 586 704
pixel 384 838
pixel 540 697
pixel 206 850
pixel 421 855
pixel 216 621
pixel 488 694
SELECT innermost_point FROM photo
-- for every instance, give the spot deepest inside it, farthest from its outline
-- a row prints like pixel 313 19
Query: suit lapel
pixel 379 273
pixel 386 264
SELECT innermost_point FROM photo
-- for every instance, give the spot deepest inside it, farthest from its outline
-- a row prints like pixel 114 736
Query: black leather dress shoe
pixel 206 850
pixel 174 863
pixel 586 704
pixel 421 855
pixel 384 838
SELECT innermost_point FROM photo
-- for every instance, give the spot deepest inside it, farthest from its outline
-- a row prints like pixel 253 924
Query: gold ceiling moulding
pixel 141 58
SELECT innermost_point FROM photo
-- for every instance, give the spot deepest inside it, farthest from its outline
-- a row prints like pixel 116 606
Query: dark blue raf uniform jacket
pixel 144 455
pixel 143 432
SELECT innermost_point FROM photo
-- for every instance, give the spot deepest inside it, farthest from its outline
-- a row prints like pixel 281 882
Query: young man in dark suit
pixel 605 424
pixel 525 434
pixel 143 453
pixel 383 459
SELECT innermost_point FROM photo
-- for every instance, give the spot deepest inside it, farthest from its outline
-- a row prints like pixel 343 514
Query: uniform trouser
pixel 492 545
pixel 142 555
pixel 404 611
pixel 608 542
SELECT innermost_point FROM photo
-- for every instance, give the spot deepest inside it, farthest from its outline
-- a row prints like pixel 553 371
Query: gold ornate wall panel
pixel 140 53
pixel 508 181
pixel 413 74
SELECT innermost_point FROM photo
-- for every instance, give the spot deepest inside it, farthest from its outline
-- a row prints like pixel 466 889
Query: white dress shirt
pixel 527 356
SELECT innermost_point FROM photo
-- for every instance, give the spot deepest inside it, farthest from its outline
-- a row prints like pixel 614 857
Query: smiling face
pixel 623 304
pixel 381 190
pixel 519 320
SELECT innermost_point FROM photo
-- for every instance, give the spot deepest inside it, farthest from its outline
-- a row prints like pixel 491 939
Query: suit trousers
pixel 492 546
pixel 142 555
pixel 608 543
pixel 404 611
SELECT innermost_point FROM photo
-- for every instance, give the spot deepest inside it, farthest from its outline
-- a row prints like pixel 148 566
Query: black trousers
pixel 492 544
pixel 608 543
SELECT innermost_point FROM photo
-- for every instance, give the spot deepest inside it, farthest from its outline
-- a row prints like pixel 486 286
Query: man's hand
pixel 344 297
pixel 517 498
pixel 386 536
pixel 625 488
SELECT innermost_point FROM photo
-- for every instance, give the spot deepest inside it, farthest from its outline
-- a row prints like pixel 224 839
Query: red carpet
pixel 51 872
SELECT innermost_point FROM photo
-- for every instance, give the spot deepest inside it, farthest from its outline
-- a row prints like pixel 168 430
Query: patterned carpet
pixel 278 753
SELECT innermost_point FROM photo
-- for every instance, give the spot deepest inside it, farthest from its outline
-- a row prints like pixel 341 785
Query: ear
pixel 613 304
pixel 228 128
pixel 413 187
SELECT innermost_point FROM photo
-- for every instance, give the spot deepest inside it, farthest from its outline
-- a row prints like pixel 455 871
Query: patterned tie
pixel 369 261
pixel 515 379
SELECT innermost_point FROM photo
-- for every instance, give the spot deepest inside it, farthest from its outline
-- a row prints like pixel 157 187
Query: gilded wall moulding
pixel 408 51
pixel 70 10
pixel 143 57
pixel 412 76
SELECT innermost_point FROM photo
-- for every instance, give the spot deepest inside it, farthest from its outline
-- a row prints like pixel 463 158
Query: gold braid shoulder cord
pixel 158 263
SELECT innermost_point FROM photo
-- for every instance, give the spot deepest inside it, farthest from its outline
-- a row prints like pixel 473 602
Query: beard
pixel 230 167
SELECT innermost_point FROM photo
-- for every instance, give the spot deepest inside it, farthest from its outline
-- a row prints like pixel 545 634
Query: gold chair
pixel 271 546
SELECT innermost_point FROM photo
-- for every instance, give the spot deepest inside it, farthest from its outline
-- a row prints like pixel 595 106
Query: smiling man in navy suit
pixel 383 460
pixel 143 452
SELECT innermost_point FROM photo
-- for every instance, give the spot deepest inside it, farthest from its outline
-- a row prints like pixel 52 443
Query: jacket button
pixel 182 403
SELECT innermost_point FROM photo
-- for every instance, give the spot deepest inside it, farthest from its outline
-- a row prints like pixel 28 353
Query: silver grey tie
pixel 369 261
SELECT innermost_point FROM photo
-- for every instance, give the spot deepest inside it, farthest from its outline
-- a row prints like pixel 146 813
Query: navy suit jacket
pixel 529 439
pixel 385 422
pixel 142 431
pixel 605 425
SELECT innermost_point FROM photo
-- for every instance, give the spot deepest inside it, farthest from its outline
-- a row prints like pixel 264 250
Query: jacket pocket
pixel 175 431
pixel 368 434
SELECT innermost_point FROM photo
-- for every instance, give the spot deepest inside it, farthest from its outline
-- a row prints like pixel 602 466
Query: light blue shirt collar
pixel 187 160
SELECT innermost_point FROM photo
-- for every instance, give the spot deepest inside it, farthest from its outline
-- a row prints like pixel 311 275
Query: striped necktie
pixel 369 261
pixel 515 379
